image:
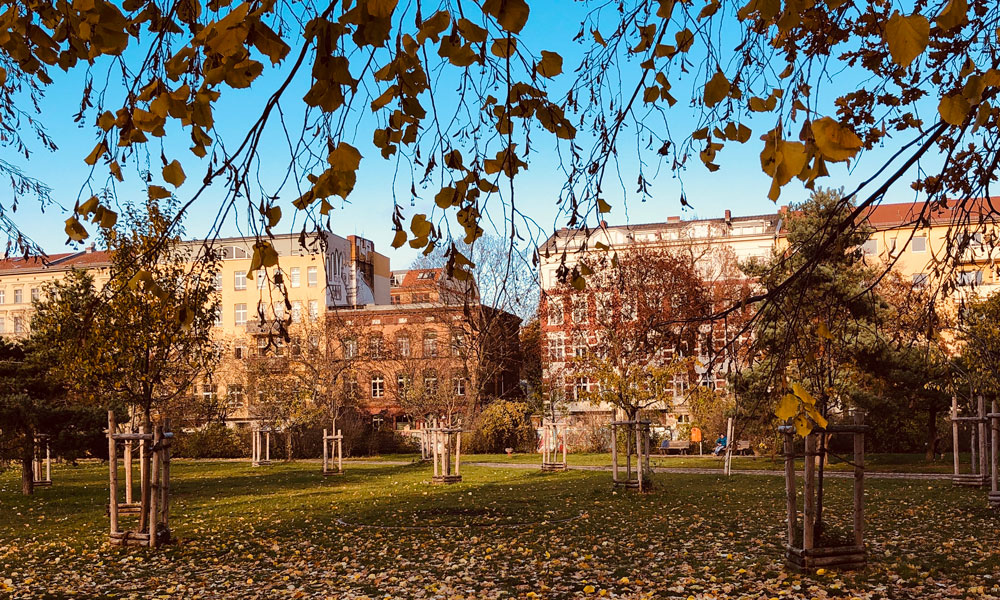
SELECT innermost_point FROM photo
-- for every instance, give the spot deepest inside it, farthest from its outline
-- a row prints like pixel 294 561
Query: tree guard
pixel 153 508
pixel 636 435
pixel 424 437
pixel 977 476
pixel 333 450
pixel 41 468
pixel 994 417
pixel 446 448
pixel 553 444
pixel 260 446
pixel 806 550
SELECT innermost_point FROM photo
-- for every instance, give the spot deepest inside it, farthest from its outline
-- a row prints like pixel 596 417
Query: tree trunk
pixel 27 468
pixel 288 444
pixel 932 433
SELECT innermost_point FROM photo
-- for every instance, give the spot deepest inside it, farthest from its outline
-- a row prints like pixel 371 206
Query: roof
pixel 55 262
pixel 885 216
pixel 418 278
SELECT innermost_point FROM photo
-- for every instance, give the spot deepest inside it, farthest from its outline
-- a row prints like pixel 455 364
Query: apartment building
pixel 915 238
pixel 22 280
pixel 435 349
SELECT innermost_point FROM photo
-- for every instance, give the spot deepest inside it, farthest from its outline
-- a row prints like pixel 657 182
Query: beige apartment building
pixel 914 238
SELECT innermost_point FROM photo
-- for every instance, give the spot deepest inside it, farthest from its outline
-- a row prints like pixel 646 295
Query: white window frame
pixel 378 386
pixel 295 277
pixel 240 313
pixel 923 242
pixel 312 276
pixel 555 311
pixel 313 309
pixel 240 280
pixel 556 347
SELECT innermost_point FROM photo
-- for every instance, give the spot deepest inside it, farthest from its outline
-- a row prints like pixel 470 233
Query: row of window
pixel 403 346
pixel 403 384
pixel 604 309
pixel 294 278
pixel 17 325
pixel 19 296
pixel 241 314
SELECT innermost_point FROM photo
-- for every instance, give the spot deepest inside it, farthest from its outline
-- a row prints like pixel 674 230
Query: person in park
pixel 720 444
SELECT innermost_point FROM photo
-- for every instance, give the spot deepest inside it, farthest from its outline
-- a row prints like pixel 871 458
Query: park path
pixel 681 470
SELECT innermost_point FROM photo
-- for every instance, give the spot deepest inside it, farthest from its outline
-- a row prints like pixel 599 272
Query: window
pixel 920 279
pixel 580 310
pixel 235 395
pixel 262 346
pixel 296 277
pixel 314 309
pixel 396 280
pixel 396 299
pixel 430 343
pixel 218 316
pixel 418 298
pixel 217 281
pixel 240 280
pixel 680 385
pixel 261 279
pixel 240 351
pixel 457 343
pixel 580 347
pixel 296 311
pixel 3 296
pixel 403 345
pixel 967 278
pixel 556 346
pixel 555 311
pixel 351 388
pixel 3 325
pixel 581 386
pixel 460 386
pixel 34 294
pixel 350 348
pixel 427 275
pixel 629 310
pixel 430 383
pixel 375 346
pixel 402 383
pixel 378 386
pixel 17 297
pixel 971 240
pixel 312 276
pixel 241 314
pixel 208 393
pixel 18 325
pixel 870 247
pixel 279 311
pixel 918 244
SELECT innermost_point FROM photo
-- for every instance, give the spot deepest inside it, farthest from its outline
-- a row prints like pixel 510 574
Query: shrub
pixel 504 424
pixel 215 440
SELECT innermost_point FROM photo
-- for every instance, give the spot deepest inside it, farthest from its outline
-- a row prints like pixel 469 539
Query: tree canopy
pixel 463 100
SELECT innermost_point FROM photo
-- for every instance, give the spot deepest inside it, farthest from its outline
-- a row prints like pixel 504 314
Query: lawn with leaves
pixel 382 531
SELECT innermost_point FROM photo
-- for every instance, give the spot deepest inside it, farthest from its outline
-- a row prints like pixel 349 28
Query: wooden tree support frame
pixel 260 446
pixel 977 475
pixel 554 444
pixel 153 508
pixel 333 452
pixel 424 437
pixel 803 550
pixel 637 445
pixel 41 466
pixel 446 449
pixel 994 417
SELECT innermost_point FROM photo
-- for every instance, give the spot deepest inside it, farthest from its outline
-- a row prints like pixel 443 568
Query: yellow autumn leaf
pixel 803 394
pixel 157 192
pixel 954 109
pixel 603 206
pixel 816 417
pixel 116 170
pixel 803 426
pixel 75 230
pixel 823 331
pixel 953 15
pixel 835 142
pixel 716 89
pixel 399 239
pixel 579 283
pixel 273 215
pixel 174 174
pixel 510 14
pixel 788 407
pixel 344 157
pixel 550 65
pixel 907 37
pixel 96 153
pixel 588 589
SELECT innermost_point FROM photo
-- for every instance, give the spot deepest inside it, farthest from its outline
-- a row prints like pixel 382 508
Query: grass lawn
pixel 380 530
pixel 889 463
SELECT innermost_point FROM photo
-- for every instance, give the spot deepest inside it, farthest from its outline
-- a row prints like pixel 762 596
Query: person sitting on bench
pixel 720 444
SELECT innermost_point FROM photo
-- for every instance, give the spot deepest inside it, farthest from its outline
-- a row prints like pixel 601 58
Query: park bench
pixel 742 447
pixel 678 447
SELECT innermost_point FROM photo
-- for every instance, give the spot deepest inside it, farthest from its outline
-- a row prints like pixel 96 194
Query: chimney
pixel 676 219
pixel 90 248
pixel 729 217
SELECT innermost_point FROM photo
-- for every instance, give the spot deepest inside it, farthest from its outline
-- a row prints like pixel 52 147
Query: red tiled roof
pixel 412 278
pixel 908 213
pixel 62 261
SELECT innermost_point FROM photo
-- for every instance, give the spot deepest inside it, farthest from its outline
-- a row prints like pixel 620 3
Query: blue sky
pixel 739 185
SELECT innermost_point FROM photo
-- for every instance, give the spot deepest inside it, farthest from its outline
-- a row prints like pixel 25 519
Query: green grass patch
pixel 286 531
